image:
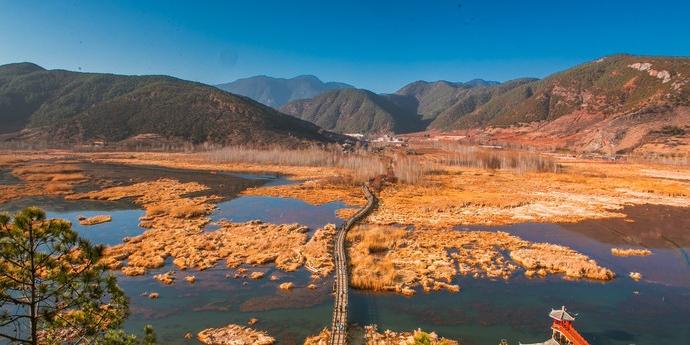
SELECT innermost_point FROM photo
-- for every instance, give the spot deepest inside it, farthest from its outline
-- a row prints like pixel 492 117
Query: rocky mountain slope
pixel 615 104
pixel 69 107
pixel 275 92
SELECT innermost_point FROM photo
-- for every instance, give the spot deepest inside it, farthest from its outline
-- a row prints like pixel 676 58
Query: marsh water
pixel 655 310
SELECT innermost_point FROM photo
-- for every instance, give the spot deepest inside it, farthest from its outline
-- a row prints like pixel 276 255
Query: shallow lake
pixel 655 310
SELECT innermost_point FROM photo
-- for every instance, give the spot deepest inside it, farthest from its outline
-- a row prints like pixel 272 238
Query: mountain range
pixel 70 107
pixel 616 104
pixel 413 108
pixel 275 92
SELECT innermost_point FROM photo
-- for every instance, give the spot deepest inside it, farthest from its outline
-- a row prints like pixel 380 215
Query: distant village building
pixel 389 139
pixel 355 135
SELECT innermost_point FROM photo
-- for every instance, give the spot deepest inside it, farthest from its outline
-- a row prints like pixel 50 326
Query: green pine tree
pixel 52 287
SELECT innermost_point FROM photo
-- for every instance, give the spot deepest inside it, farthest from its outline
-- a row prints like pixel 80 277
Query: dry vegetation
pixel 392 259
pixel 455 185
pixel 443 185
pixel 318 251
pixel 52 176
pixel 519 161
pixel 234 334
pixel 545 258
pixel 166 278
pixel 630 252
pixel 315 192
pixel 286 286
pixel 635 276
pixel 50 173
pixel 94 220
pixel 360 164
pixel 176 222
pixel 373 337
pixel 323 338
pixel 463 196
pixel 446 184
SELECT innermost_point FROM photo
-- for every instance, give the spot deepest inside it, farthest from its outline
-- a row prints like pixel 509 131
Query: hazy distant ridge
pixel 275 92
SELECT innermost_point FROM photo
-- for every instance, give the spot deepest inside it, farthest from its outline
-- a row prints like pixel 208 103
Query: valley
pixel 496 201
pixel 452 220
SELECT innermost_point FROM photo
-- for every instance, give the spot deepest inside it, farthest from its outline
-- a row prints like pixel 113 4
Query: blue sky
pixel 378 45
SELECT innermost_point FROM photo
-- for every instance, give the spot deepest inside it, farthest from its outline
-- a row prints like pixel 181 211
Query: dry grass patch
pixel 559 259
pixel 661 187
pixel 369 271
pixel 252 243
pixel 432 258
pixel 318 251
pixel 50 173
pixel 630 252
pixel 286 286
pixel 315 192
pixel 166 278
pixel 635 276
pixel 46 169
pixel 465 196
pixel 39 179
pixel 58 188
pixel 161 199
pixel 346 213
pixel 95 220
pixel 189 211
pixel 360 164
pixel 233 335
pixel 373 337
pixel 323 338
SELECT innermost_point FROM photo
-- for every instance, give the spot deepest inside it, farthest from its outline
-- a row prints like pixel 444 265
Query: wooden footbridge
pixel 341 283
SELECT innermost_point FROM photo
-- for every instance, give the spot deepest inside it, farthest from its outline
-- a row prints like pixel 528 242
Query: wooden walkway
pixel 341 283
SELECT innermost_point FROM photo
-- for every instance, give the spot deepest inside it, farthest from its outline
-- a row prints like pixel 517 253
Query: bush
pixel 670 131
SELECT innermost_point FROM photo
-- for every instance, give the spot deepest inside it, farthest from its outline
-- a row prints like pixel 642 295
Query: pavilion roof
pixel 561 315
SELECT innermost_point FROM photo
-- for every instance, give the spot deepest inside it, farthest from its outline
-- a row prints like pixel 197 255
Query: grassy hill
pixel 433 98
pixel 606 87
pixel 415 107
pixel 616 104
pixel 70 107
pixel 355 111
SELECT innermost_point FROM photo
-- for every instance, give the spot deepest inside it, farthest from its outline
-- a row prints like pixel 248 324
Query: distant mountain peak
pixel 481 82
pixel 355 111
pixel 276 92
pixel 20 68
